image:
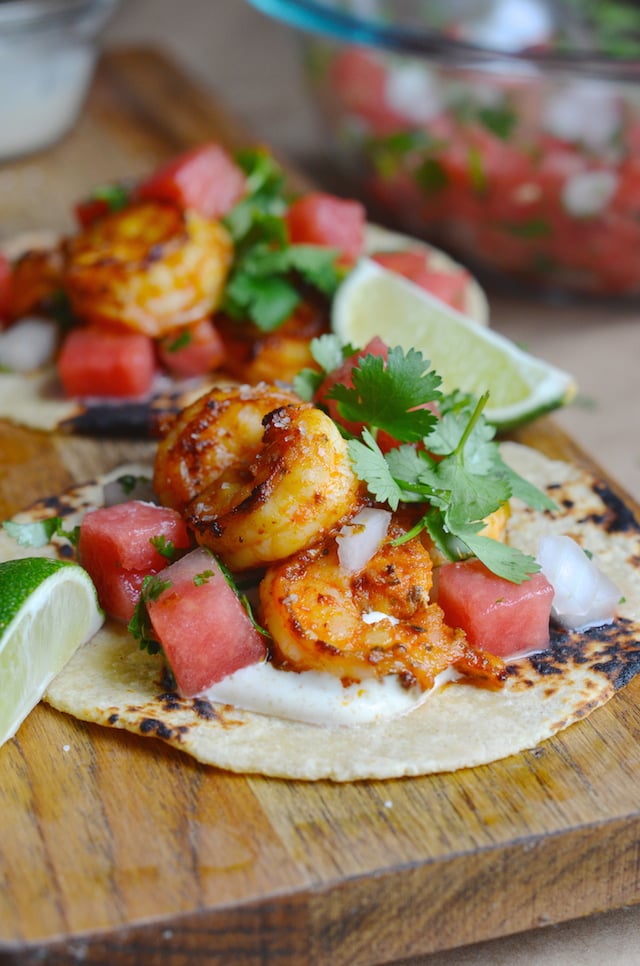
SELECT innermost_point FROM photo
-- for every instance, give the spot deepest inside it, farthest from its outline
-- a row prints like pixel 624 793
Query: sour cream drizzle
pixel 316 697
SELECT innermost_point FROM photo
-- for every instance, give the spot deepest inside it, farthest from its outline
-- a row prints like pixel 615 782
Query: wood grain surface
pixel 116 849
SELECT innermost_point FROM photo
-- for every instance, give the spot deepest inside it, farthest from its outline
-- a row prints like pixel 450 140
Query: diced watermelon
pixel 497 615
pixel 193 350
pixel 413 264
pixel 323 219
pixel 204 630
pixel 206 179
pixel 115 548
pixel 97 361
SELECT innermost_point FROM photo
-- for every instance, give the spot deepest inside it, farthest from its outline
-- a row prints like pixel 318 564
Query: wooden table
pixel 118 849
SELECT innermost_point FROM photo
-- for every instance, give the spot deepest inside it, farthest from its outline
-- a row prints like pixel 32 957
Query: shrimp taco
pixel 208 270
pixel 394 631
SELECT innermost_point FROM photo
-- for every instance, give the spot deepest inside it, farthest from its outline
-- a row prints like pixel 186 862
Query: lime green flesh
pixel 374 302
pixel 47 609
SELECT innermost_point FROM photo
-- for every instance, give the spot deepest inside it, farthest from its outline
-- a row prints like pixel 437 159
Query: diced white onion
pixel 584 112
pixel 413 91
pixel 589 192
pixel 359 539
pixel 28 344
pixel 583 596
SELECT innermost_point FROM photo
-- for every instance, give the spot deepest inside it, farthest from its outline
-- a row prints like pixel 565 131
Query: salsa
pixel 527 173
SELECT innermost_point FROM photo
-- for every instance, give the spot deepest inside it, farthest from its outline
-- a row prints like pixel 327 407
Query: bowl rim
pixel 314 16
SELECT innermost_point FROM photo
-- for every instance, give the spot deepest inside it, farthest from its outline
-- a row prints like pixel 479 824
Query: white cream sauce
pixel 317 697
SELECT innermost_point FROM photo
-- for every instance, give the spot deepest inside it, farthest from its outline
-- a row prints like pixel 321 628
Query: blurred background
pixel 205 36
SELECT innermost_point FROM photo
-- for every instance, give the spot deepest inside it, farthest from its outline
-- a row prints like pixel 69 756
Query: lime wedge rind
pixel 373 301
pixel 48 608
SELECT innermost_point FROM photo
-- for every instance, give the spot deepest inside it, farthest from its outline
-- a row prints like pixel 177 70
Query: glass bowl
pixel 48 50
pixel 507 131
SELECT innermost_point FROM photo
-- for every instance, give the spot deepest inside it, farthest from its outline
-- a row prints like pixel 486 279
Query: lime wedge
pixel 373 301
pixel 48 608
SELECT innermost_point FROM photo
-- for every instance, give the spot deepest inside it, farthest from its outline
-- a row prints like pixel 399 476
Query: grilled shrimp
pixel 221 429
pixel 150 267
pixel 317 616
pixel 298 485
pixel 36 280
pixel 254 356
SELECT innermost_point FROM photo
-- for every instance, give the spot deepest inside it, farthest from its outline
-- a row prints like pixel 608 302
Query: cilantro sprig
pixel 140 626
pixel 41 532
pixel 269 273
pixel 447 459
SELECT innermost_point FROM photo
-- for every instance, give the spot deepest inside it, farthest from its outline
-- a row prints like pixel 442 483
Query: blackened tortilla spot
pixel 204 709
pixel 113 718
pixel 611 650
pixel 152 726
pixel 618 517
pixel 170 701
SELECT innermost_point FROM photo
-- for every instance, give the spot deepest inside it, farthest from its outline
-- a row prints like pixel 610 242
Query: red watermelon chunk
pixel 205 178
pixel 497 615
pixel 115 548
pixel 448 286
pixel 323 219
pixel 204 630
pixel 104 362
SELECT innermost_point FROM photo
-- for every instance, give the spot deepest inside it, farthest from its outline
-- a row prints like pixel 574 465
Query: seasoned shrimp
pixel 317 616
pixel 221 429
pixel 254 356
pixel 36 281
pixel 298 486
pixel 150 267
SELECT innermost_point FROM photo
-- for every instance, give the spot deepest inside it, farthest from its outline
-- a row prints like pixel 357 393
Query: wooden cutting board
pixel 118 849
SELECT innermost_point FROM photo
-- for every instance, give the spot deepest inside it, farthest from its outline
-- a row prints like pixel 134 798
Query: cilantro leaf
pixel 267 300
pixel 329 352
pixel 317 265
pixel 268 274
pixel 391 394
pixel 116 195
pixel 370 465
pixel 501 558
pixel 244 600
pixel 140 626
pixel 166 548
pixel 40 533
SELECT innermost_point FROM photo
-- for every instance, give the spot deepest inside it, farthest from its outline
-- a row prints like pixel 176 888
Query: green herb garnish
pixel 268 275
pixel 39 534
pixel 447 459
pixel 140 626
pixel 166 548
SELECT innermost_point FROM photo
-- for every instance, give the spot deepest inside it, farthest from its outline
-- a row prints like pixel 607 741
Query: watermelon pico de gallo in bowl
pixel 506 130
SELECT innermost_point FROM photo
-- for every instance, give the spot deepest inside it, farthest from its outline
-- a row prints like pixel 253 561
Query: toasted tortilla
pixel 35 399
pixel 111 682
